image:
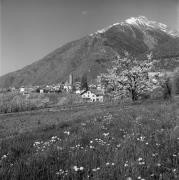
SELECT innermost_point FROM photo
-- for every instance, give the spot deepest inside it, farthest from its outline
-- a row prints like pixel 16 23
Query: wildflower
pixel 67 132
pixel 158 164
pixel 75 168
pixel 139 159
pixel 107 164
pixel 154 154
pixel 57 173
pixel 105 134
pixel 129 178
pixel 126 164
pixel 142 138
pixel 141 163
pixel 91 147
pixel 4 156
pixel 118 145
pixel 81 168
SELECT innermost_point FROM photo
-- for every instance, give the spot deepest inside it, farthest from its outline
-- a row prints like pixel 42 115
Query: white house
pixel 67 87
pixel 41 91
pixel 92 96
pixel 22 89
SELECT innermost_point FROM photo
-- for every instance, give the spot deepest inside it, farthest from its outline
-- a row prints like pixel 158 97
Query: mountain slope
pixel 93 53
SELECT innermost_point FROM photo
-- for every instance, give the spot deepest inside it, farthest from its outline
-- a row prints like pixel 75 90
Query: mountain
pixel 93 53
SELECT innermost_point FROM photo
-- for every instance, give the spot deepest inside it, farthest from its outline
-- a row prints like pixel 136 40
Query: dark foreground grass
pixel 114 144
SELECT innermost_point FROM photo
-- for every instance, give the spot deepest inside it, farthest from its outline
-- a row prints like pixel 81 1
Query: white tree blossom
pixel 129 77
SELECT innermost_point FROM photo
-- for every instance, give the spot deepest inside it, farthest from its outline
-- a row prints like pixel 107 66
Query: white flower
pixel 129 178
pixel 158 164
pixel 107 164
pixel 67 132
pixel 118 145
pixel 81 168
pixel 105 134
pixel 75 168
pixel 126 164
pixel 4 156
pixel 139 159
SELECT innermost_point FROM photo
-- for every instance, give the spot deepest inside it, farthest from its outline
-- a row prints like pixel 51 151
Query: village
pixel 92 93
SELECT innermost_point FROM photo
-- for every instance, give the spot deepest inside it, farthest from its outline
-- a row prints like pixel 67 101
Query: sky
pixel 30 29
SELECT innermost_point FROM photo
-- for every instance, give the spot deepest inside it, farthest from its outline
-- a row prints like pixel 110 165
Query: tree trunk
pixel 134 95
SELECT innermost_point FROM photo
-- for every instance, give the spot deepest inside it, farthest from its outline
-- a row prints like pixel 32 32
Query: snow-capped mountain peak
pixel 140 20
pixel 143 24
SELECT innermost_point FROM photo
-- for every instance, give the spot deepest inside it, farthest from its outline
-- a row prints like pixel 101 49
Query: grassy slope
pixel 113 142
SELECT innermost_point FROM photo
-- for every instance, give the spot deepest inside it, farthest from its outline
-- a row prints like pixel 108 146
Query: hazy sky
pixel 33 28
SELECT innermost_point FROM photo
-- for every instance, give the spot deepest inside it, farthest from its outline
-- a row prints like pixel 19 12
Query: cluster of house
pixel 95 92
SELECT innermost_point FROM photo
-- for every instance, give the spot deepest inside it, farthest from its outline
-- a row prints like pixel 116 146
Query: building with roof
pixel 92 96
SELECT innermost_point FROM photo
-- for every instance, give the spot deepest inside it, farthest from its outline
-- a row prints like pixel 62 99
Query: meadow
pixel 115 142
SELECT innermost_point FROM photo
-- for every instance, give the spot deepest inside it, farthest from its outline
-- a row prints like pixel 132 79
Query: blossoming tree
pixel 129 77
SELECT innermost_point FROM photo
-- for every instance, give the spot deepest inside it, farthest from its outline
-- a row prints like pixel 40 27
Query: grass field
pixel 110 142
